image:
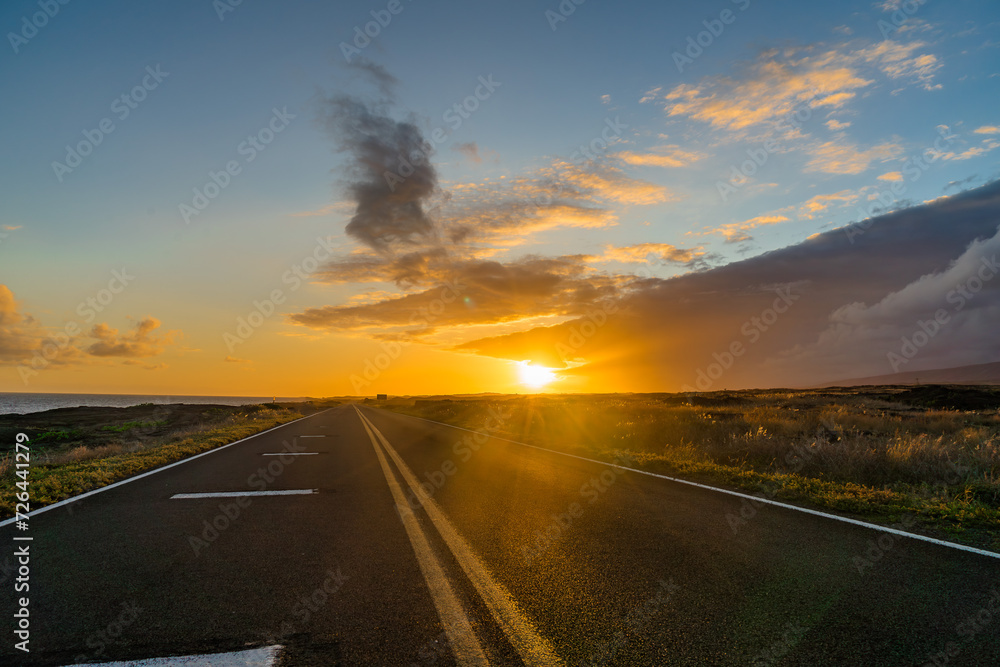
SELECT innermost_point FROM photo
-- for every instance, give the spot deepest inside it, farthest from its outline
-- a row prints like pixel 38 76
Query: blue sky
pixel 870 98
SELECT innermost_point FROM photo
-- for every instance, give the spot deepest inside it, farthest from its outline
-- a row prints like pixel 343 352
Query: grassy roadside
pixel 927 456
pixel 76 450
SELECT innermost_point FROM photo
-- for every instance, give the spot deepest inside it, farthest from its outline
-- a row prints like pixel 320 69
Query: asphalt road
pixel 521 556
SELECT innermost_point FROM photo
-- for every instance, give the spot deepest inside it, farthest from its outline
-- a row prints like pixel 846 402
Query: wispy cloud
pixel 738 232
pixel 820 203
pixel 663 156
pixel 841 156
pixel 470 150
pixel 650 253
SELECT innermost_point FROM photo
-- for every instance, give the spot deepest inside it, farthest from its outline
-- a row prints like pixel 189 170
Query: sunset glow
pixel 776 197
pixel 533 376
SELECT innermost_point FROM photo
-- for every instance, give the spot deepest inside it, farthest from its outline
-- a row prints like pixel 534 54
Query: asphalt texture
pixel 598 565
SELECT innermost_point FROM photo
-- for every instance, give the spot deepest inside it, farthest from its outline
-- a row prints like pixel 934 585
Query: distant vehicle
pixel 381 397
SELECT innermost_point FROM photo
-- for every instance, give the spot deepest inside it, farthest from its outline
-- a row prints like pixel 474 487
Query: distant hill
pixel 977 374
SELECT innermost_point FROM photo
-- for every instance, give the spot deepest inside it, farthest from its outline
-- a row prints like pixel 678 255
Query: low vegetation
pixel 930 453
pixel 74 450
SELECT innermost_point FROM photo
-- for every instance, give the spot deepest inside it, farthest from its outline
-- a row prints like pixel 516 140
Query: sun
pixel 534 376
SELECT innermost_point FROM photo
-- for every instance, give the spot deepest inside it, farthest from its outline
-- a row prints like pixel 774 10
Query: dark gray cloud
pixel 377 74
pixel 478 292
pixel 390 177
pixel 850 295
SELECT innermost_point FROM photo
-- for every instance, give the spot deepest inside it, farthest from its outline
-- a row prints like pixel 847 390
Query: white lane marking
pixel 155 470
pixel 856 522
pixel 258 657
pixel 456 624
pixel 531 646
pixel 289 453
pixel 237 494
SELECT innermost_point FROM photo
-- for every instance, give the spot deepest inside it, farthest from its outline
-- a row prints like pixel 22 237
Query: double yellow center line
pixel 532 647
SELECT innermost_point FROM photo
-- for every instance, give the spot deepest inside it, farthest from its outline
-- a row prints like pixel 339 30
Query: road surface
pixel 381 539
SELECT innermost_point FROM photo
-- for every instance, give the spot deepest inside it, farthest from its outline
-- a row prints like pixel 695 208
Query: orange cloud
pixel 833 157
pixel 820 203
pixel 666 156
pixel 896 60
pixel 477 292
pixel 641 253
pixel 738 231
pixel 611 184
pixel 779 83
pixel 140 342
pixel 26 343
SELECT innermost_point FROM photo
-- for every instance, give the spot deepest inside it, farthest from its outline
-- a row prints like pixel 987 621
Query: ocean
pixel 22 403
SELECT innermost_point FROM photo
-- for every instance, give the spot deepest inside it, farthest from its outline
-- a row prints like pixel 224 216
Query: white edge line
pixel 259 657
pixel 856 522
pixel 289 453
pixel 238 494
pixel 153 471
pixel 312 436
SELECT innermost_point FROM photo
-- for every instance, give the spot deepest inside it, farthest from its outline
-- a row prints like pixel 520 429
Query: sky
pixel 418 197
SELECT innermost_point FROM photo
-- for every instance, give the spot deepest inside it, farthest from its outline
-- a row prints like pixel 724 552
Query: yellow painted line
pixel 531 646
pixel 456 624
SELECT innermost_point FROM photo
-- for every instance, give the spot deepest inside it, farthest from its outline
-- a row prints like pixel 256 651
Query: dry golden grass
pixel 865 451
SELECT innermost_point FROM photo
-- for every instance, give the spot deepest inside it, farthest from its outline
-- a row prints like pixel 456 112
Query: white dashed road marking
pixel 237 494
